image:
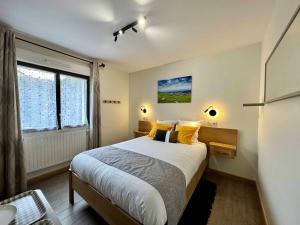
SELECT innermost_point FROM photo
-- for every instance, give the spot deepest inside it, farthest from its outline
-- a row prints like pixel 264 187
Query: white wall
pixel 278 139
pixel 114 117
pixel 33 54
pixel 225 80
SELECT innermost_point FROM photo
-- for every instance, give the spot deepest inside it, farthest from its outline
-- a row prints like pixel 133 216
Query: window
pixel 51 99
pixel 73 100
pixel 37 91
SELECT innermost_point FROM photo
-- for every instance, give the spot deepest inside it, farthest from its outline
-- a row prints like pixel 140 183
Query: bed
pixel 122 198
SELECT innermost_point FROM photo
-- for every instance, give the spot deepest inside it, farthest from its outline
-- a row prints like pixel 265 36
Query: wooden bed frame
pixel 113 214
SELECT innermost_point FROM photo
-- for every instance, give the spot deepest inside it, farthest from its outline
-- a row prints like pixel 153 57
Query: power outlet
pixel 212 124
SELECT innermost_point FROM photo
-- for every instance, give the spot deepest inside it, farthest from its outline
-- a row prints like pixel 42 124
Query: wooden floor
pixel 236 203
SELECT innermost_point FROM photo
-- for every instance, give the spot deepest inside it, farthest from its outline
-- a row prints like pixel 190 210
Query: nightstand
pixel 144 128
pixel 138 133
pixel 222 150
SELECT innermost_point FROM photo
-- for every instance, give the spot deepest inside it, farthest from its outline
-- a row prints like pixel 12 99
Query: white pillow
pixel 192 124
pixel 170 122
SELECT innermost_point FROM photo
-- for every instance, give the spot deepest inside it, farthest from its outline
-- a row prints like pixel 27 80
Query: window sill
pixel 53 132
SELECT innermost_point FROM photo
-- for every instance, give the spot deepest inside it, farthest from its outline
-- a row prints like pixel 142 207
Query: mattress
pixel 138 198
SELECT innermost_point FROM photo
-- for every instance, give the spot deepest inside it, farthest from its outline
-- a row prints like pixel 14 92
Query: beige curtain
pixel 95 101
pixel 12 165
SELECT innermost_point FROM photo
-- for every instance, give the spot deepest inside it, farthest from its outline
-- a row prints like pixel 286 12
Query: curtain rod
pixel 51 49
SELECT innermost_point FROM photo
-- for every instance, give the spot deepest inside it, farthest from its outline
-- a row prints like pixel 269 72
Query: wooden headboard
pixel 206 134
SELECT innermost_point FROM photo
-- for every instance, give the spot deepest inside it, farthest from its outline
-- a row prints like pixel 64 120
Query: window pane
pixel 73 101
pixel 37 91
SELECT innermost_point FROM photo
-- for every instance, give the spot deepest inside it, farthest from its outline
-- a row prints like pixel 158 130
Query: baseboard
pixel 231 176
pixel 47 175
pixel 262 204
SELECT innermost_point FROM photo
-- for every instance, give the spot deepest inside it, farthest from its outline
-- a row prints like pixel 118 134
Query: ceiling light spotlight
pixel 142 21
pixel 120 32
pixel 135 30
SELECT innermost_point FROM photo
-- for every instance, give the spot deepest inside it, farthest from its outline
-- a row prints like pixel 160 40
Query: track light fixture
pixel 141 22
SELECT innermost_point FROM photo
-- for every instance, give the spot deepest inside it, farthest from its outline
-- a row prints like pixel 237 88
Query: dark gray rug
pixel 200 205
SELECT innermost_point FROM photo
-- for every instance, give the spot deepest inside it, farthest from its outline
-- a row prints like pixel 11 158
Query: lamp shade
pixel 211 111
pixel 143 109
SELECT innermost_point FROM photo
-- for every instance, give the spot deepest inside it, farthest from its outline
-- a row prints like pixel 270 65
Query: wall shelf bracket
pixel 253 104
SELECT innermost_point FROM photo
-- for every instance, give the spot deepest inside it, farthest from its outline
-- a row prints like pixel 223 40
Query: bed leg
pixel 71 190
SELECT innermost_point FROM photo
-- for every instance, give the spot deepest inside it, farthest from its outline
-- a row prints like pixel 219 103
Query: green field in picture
pixel 174 97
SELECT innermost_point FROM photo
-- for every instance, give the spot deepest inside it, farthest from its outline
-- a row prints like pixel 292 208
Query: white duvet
pixel 135 196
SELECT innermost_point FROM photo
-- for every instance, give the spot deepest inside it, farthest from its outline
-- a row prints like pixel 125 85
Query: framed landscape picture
pixel 175 90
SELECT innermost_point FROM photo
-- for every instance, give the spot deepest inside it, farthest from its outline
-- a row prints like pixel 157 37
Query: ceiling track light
pixel 132 25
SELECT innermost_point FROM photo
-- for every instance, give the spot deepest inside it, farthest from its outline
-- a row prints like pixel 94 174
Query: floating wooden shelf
pixel 138 133
pixel 222 149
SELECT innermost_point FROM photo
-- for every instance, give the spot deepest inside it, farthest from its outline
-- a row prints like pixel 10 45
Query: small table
pixel 222 149
pixel 32 208
pixel 138 133
pixel 49 211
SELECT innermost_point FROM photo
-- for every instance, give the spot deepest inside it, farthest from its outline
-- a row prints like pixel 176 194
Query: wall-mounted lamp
pixel 211 111
pixel 143 109
pixel 144 112
pixel 140 22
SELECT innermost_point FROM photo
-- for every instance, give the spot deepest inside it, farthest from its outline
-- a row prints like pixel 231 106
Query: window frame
pixel 58 94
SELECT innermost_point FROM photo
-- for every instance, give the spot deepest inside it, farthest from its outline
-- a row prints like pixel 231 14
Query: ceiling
pixel 175 29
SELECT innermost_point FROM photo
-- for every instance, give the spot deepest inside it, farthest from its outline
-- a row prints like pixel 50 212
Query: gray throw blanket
pixel 166 178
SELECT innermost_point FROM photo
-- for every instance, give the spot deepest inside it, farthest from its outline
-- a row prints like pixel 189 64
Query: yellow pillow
pixel 185 134
pixel 159 126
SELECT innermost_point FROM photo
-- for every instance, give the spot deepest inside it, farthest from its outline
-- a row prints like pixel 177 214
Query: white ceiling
pixel 175 30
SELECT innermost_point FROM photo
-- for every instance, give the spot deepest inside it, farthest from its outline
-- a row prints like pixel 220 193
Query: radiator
pixel 51 148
